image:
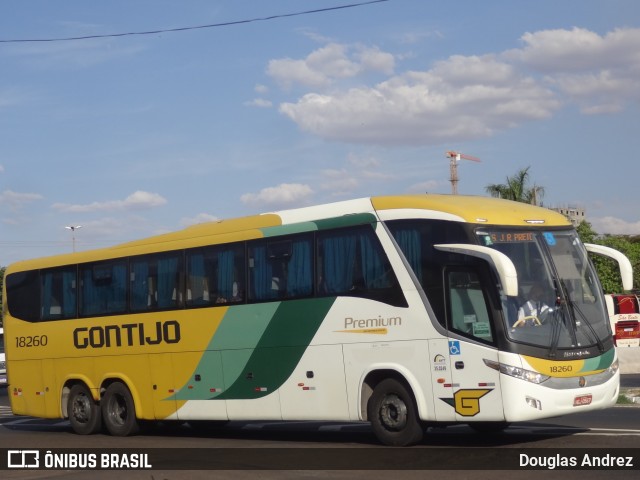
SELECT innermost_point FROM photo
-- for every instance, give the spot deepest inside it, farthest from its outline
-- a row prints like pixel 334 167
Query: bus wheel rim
pixel 393 412
pixel 81 409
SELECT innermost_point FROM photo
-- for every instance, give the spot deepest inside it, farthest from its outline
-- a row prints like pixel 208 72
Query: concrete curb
pixel 632 394
pixel 629 359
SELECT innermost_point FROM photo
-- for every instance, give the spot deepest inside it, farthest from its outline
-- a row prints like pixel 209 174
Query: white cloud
pixel 415 37
pixel 283 195
pixel 362 162
pixel 429 186
pixel 338 181
pixel 259 102
pixel 136 201
pixel 578 50
pixel 614 226
pixel 462 97
pixel 600 73
pixel 329 63
pixel 358 170
pixel 427 107
pixel 199 218
pixel 15 200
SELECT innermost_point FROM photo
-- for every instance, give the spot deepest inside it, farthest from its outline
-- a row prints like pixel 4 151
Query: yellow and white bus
pixel 399 310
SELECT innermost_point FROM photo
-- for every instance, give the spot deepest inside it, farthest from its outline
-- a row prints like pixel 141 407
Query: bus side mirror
pixel 626 270
pixel 503 265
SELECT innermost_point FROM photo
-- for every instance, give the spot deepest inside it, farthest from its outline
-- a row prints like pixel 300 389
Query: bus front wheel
pixel 119 411
pixel 394 415
pixel 84 414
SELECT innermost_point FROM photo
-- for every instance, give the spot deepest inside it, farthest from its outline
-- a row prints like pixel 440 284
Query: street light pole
pixel 73 229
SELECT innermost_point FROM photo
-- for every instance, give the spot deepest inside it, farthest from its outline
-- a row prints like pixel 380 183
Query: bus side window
pixel 215 275
pixel 103 288
pixel 468 313
pixel 281 268
pixel 156 282
pixel 22 289
pixel 58 293
pixel 352 262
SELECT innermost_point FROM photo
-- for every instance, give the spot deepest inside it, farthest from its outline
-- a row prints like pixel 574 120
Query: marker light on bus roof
pixel 536 222
pixel 517 372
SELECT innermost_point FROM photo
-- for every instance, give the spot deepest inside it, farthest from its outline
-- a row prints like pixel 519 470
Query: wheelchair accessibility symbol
pixel 454 347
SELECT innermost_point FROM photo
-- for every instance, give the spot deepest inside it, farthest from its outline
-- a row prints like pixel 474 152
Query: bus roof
pixel 471 209
pixel 476 209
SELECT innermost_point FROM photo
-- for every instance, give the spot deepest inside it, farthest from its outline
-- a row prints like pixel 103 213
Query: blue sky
pixel 138 135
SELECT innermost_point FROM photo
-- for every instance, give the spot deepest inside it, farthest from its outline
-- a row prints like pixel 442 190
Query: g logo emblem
pixel 467 402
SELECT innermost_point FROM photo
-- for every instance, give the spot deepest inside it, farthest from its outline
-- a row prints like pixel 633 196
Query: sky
pixel 129 136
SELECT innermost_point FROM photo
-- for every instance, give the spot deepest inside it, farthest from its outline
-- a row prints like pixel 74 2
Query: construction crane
pixel 454 158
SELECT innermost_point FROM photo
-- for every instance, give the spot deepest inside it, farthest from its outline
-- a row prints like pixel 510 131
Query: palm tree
pixel 517 189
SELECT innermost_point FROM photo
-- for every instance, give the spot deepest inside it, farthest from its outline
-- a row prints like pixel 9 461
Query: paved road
pixel 630 380
pixel 250 449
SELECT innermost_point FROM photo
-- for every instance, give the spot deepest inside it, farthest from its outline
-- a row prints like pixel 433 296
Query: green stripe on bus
pixel 255 349
pixel 301 227
pixel 346 221
pixel 325 224
pixel 280 349
pixel 599 363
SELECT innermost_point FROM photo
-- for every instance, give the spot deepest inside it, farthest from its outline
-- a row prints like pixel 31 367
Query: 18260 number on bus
pixel 32 341
pixel 561 369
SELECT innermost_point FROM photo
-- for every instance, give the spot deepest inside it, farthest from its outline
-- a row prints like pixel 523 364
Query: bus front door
pixel 475 387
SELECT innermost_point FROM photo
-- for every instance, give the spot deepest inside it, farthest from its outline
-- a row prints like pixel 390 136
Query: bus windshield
pixel 560 303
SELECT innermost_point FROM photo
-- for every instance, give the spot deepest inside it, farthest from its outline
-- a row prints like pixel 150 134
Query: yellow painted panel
pixel 491 211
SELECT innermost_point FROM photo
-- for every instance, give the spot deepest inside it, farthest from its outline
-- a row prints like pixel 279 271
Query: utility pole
pixel 73 229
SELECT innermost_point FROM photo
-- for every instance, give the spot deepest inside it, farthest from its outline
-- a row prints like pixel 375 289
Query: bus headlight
pixel 517 372
pixel 613 368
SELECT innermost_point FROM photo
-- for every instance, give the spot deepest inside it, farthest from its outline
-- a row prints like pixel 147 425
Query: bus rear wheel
pixel 394 415
pixel 119 411
pixel 84 414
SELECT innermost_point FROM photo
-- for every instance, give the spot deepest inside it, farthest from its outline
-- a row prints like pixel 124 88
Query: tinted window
pixel 281 268
pixel 352 262
pixel 416 239
pixel 468 312
pixel 215 275
pixel 156 282
pixel 103 288
pixel 59 293
pixel 23 295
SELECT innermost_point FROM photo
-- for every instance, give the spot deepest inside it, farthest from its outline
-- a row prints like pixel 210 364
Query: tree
pixel 517 188
pixel 607 269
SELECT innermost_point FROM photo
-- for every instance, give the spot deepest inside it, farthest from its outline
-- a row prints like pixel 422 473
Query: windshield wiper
pixel 558 318
pixel 571 321
pixel 555 332
pixel 575 307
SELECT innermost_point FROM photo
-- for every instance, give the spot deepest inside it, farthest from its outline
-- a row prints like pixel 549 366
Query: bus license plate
pixel 582 400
